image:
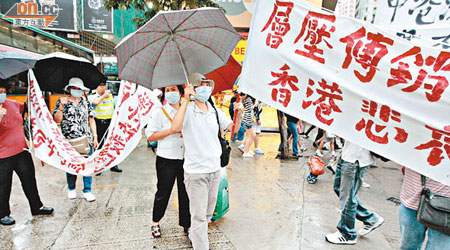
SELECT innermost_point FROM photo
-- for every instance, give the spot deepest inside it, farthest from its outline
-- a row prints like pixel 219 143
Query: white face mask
pixel 77 93
pixel 172 97
pixel 2 97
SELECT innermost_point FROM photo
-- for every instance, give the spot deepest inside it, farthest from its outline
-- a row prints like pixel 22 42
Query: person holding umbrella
pixel 200 127
pixel 75 113
pixel 15 157
pixel 169 160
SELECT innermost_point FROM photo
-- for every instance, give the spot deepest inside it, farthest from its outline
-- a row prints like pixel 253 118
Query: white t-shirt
pixel 171 147
pixel 352 153
pixel 200 135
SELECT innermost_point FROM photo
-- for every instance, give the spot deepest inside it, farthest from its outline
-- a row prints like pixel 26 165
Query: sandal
pixel 156 231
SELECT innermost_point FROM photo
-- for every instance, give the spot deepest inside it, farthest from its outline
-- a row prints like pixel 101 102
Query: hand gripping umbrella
pixel 174 44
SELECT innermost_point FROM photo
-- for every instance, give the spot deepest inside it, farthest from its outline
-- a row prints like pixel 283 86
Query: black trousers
pixel 22 164
pixel 102 126
pixel 167 171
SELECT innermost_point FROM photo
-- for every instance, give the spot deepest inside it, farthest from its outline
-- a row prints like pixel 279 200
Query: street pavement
pixel 271 207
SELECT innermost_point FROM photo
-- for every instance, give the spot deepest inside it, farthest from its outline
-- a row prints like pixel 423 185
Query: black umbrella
pixel 54 70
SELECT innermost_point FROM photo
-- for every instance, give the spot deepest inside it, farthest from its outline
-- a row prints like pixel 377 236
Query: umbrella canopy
pixel 12 63
pixel 174 44
pixel 225 76
pixel 54 70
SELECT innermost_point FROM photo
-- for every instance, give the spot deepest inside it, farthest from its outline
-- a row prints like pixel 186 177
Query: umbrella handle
pixel 183 65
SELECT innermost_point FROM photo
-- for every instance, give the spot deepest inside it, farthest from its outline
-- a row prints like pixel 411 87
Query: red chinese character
pixel 39 138
pixel 385 114
pixel 447 128
pixel 283 79
pixel 126 92
pixel 402 75
pixel 367 52
pixel 441 139
pixel 127 129
pixel 324 108
pixel 145 103
pixel 279 23
pixel 315 35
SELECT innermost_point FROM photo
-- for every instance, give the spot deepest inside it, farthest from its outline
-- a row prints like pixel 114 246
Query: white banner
pixel 134 105
pixel 426 19
pixel 353 79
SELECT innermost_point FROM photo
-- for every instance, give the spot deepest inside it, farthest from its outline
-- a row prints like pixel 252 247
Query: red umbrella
pixel 225 76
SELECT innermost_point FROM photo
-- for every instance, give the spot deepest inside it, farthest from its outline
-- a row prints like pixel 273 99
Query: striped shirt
pixel 412 189
pixel 105 109
pixel 248 114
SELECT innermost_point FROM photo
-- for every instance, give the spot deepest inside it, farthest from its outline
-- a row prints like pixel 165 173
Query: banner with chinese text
pixel 426 19
pixel 132 113
pixel 353 79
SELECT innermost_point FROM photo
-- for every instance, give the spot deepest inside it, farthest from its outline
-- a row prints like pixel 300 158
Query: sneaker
pixel 366 185
pixel 241 147
pixel 89 196
pixel 303 149
pixel 369 228
pixel 72 194
pixel 333 153
pixel 248 155
pixel 338 238
pixel 318 153
pixel 259 151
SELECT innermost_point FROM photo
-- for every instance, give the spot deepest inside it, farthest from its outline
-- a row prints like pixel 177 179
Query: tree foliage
pixel 149 8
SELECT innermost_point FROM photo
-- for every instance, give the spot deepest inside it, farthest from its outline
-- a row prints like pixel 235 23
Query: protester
pixel 75 114
pixel 413 233
pixel 327 137
pixel 169 160
pixel 14 157
pixel 239 129
pixel 199 122
pixel 103 104
pixel 257 124
pixel 248 125
pixel 350 171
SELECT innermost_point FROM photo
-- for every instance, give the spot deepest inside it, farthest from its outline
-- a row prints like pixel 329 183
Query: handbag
pixel 434 210
pixel 81 144
pixel 224 144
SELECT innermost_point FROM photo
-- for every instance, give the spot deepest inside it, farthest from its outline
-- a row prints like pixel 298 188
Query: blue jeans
pixel 292 130
pixel 348 180
pixel 413 232
pixel 240 134
pixel 72 180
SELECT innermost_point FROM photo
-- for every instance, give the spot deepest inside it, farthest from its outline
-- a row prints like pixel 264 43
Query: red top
pixel 12 138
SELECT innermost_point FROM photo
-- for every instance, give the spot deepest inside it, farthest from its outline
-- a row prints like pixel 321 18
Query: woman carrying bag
pixel 199 123
pixel 169 160
pixel 76 116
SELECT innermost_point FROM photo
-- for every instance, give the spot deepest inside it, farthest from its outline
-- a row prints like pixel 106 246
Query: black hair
pixel 180 89
pixel 4 84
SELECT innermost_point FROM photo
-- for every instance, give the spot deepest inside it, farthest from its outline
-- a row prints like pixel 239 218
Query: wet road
pixel 272 207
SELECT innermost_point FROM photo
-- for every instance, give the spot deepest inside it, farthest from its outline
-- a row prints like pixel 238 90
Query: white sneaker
pixel 369 228
pixel 303 149
pixel 241 147
pixel 337 238
pixel 366 185
pixel 259 151
pixel 248 155
pixel 318 153
pixel 333 153
pixel 89 196
pixel 72 194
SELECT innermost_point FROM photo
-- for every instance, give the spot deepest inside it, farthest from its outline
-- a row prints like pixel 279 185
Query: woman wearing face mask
pixel 169 160
pixel 199 126
pixel 74 112
pixel 14 158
